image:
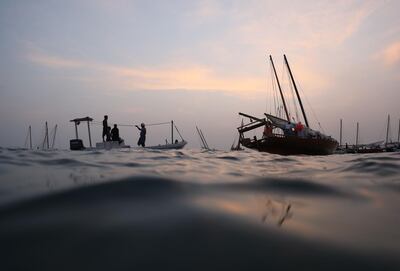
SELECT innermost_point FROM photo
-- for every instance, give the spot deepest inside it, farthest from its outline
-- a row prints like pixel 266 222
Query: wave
pixel 157 223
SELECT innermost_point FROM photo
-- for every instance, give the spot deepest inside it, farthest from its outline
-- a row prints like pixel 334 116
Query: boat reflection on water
pixel 277 211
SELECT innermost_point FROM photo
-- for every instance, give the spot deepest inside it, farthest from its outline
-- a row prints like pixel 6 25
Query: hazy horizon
pixel 197 63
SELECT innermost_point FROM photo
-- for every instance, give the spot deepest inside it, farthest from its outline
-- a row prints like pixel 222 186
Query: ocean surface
pixel 198 210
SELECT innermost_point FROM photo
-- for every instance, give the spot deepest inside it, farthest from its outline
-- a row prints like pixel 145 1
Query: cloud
pixel 184 77
pixel 390 54
pixel 53 61
pixel 324 24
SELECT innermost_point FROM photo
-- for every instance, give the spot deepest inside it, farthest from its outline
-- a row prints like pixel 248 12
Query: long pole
pixel 90 136
pixel 398 133
pixel 54 137
pixel 387 130
pixel 340 141
pixel 297 92
pixel 201 138
pixel 280 89
pixel 172 132
pixel 76 130
pixel 357 134
pixel 30 137
pixel 47 136
pixel 205 141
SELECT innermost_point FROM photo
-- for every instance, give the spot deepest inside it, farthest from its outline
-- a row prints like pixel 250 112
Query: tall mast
pixel 30 137
pixel 398 133
pixel 357 134
pixel 340 141
pixel 172 132
pixel 204 145
pixel 387 130
pixel 280 89
pixel 47 136
pixel 54 137
pixel 297 93
pixel 90 136
pixel 205 141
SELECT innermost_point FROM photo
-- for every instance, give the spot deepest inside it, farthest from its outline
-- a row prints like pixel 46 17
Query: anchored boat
pixel 77 144
pixel 173 145
pixel 283 136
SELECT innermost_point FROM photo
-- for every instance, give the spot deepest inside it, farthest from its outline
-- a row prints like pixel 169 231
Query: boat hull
pixel 175 146
pixel 292 145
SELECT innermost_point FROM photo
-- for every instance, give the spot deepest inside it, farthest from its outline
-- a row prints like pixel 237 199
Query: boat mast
pixel 205 141
pixel 30 137
pixel 387 130
pixel 357 134
pixel 54 137
pixel 340 141
pixel 90 136
pixel 297 93
pixel 47 136
pixel 198 132
pixel 172 132
pixel 280 89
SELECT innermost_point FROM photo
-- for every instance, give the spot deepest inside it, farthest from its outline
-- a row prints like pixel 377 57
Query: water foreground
pixel 126 209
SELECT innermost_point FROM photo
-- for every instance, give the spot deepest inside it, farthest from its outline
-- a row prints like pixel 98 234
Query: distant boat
pixel 284 136
pixel 169 146
pixel 173 145
pixel 375 147
pixel 204 143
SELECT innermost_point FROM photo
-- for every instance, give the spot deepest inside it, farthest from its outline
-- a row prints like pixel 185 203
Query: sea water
pixel 191 209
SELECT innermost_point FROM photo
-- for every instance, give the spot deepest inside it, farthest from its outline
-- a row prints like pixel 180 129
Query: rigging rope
pixel 283 79
pixel 100 123
pixel 178 133
pixel 310 106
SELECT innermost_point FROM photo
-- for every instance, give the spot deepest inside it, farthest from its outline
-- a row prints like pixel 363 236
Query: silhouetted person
pixel 115 133
pixel 108 134
pixel 142 138
pixel 105 127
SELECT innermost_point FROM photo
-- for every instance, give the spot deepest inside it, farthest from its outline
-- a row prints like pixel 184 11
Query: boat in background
pixel 282 136
pixel 375 147
pixel 173 145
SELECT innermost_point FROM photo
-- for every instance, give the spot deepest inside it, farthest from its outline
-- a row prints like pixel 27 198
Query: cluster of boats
pixel 282 135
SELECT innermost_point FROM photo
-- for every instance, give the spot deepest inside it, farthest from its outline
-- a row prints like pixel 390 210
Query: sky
pixel 197 63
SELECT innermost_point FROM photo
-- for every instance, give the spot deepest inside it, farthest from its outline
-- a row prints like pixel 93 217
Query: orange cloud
pixel 391 54
pixel 54 61
pixel 189 77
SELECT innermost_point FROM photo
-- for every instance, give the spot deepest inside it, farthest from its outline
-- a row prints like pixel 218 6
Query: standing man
pixel 142 138
pixel 105 127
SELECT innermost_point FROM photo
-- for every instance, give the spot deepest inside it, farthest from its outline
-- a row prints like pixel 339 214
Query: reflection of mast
pixel 280 89
pixel 297 93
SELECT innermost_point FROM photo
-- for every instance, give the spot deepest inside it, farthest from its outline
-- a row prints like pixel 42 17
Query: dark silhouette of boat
pixel 284 136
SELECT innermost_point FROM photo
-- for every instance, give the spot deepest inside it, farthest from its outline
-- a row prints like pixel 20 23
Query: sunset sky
pixel 197 62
